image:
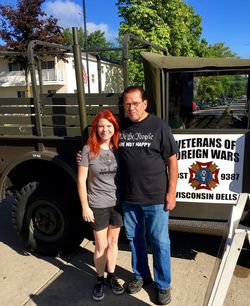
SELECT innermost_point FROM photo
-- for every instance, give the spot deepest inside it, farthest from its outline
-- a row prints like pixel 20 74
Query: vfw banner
pixel 210 167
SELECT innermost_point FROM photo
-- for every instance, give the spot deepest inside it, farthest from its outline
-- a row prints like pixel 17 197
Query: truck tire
pixel 46 219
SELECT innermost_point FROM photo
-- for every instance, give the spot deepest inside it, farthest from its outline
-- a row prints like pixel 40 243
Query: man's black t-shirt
pixel 143 148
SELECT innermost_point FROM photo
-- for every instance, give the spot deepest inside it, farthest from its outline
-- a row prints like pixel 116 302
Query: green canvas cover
pixel 194 63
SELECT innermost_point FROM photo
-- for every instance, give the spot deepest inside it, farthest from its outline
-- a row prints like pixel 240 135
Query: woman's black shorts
pixel 107 216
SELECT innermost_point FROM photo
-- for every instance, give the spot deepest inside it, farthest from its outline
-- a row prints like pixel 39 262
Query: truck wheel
pixel 46 219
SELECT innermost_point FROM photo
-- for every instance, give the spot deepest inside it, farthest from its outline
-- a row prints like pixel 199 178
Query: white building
pixel 59 76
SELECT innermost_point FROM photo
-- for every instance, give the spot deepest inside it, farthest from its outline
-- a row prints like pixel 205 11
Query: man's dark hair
pixel 134 88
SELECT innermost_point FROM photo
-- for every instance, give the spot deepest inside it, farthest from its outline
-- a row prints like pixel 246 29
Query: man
pixel 149 172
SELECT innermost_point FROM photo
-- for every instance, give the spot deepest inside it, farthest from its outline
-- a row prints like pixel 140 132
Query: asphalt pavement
pixel 28 279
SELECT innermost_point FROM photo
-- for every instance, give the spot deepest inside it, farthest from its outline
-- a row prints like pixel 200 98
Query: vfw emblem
pixel 204 175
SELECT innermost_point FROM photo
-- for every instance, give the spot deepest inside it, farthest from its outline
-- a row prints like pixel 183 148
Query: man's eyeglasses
pixel 134 104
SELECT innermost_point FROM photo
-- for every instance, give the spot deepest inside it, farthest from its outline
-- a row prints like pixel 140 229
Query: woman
pixel 99 199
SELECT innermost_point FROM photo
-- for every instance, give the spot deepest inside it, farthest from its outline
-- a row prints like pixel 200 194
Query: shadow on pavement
pixel 188 245
pixel 8 235
pixel 73 283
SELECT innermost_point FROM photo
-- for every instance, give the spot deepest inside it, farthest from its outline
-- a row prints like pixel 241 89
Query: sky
pixel 222 20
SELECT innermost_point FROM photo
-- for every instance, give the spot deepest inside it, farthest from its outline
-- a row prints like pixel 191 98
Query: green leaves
pixel 220 50
pixel 168 23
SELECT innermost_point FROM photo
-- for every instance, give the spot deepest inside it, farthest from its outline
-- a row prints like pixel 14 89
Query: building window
pixel 92 78
pixel 16 66
pixel 21 94
pixel 51 92
pixel 48 65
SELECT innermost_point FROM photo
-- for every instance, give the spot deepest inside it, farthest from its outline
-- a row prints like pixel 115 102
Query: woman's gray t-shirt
pixel 102 183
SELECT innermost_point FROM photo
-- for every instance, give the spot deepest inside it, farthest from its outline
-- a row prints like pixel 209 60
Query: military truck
pixel 40 136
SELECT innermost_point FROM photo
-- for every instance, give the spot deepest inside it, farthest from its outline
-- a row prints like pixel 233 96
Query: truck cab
pixel 206 103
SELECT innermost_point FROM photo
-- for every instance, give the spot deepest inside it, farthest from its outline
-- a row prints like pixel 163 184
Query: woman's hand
pixel 88 215
pixel 78 156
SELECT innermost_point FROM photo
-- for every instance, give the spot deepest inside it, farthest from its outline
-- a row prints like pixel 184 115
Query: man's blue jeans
pixel 153 219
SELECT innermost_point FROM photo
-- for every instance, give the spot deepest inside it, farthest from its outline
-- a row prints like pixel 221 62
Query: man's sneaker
pixel 115 286
pixel 98 292
pixel 164 296
pixel 137 284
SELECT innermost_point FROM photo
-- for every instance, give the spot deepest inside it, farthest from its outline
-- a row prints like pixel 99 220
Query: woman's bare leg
pixel 100 255
pixel 112 247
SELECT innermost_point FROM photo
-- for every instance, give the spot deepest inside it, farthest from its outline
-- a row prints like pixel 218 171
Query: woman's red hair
pixel 94 141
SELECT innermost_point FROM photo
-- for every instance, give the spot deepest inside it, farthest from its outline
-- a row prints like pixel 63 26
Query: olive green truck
pixel 40 136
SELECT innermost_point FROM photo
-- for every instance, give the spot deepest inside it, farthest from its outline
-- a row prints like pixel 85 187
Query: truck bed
pixel 59 114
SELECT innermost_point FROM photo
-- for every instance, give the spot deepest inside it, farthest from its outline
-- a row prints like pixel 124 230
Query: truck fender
pixel 42 155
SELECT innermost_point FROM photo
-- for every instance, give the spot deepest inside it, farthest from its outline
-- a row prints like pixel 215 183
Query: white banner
pixel 210 167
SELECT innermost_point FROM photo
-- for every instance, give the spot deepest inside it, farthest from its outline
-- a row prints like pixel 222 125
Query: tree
pixel 25 22
pixel 168 23
pixel 68 36
pixel 210 88
pixel 220 50
pixel 95 40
